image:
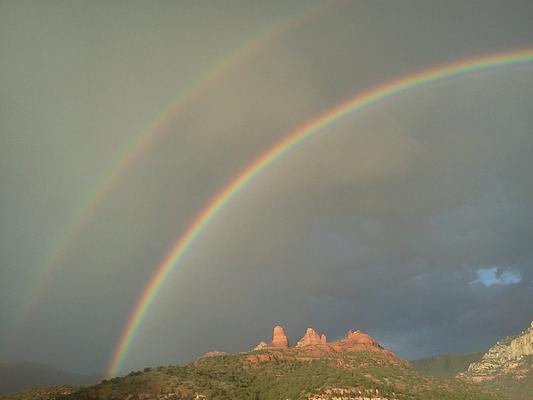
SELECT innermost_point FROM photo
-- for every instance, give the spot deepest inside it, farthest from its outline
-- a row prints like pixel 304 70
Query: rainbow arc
pixel 358 103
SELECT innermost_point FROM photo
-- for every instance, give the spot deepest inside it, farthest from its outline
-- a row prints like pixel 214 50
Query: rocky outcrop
pixel 505 357
pixel 358 341
pixel 260 346
pixel 314 345
pixel 279 339
pixel 311 338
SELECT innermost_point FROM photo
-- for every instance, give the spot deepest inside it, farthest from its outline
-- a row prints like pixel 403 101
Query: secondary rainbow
pixel 139 146
pixel 217 203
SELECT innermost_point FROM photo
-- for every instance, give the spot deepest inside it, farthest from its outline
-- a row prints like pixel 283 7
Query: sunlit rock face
pixel 314 346
pixel 505 357
pixel 311 338
pixel 357 341
pixel 313 341
pixel 279 339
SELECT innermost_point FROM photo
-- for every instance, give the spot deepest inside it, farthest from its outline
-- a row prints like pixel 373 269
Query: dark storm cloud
pixel 383 222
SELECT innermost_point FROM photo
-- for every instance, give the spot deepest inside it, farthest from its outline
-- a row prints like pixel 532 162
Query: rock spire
pixel 279 339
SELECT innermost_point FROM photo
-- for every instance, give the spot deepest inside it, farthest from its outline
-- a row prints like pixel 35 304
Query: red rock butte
pixel 317 343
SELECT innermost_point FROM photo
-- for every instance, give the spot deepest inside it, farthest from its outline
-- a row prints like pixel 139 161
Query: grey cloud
pixel 378 222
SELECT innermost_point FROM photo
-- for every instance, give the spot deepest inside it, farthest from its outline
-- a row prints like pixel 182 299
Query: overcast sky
pixel 411 220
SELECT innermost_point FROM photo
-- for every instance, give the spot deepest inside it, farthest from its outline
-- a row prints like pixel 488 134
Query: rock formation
pixel 504 357
pixel 313 341
pixel 358 341
pixel 314 346
pixel 260 346
pixel 311 338
pixel 278 338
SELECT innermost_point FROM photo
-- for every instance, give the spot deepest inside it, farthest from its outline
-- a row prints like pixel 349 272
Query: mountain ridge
pixel 356 367
pixel 446 365
pixel 16 376
pixel 507 356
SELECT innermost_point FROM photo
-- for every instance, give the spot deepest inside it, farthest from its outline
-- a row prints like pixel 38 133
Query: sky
pixel 410 220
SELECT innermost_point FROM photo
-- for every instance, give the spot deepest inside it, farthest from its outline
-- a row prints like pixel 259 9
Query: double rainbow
pixel 270 35
pixel 354 104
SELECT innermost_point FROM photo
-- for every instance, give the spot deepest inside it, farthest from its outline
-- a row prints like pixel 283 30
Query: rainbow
pixel 295 138
pixel 139 146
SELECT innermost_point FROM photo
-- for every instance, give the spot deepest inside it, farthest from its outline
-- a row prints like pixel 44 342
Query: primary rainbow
pixel 356 103
pixel 138 147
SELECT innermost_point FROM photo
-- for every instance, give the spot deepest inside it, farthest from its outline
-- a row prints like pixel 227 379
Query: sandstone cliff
pixel 314 346
pixel 505 357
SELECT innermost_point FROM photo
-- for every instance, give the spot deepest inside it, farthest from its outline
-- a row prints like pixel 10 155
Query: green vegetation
pixel 282 375
pixel 236 377
pixel 447 365
pixel 47 393
pixel 513 385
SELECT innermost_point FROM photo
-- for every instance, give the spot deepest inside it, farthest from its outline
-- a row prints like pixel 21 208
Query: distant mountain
pixel 356 367
pixel 446 365
pixel 42 393
pixel 25 375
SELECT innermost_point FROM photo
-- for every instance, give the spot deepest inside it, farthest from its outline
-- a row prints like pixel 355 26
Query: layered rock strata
pixel 505 357
pixel 313 344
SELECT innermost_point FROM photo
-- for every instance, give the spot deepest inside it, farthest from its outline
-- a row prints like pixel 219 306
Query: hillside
pixel 25 375
pixel 355 367
pixel 507 367
pixel 508 357
pixel 518 385
pixel 445 365
pixel 236 377
pixel 44 393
